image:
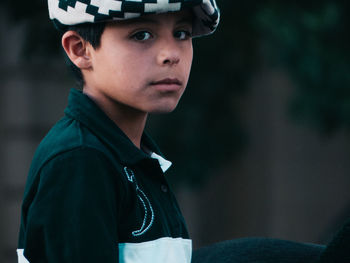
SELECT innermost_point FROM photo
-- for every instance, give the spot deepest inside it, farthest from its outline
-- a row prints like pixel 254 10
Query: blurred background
pixel 260 141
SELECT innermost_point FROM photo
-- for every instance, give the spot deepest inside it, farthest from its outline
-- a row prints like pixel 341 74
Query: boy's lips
pixel 167 81
pixel 167 84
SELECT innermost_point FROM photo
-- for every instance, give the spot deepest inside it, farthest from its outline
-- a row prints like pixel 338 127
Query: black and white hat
pixel 72 12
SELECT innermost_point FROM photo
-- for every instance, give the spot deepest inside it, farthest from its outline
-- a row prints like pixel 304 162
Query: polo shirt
pixel 93 196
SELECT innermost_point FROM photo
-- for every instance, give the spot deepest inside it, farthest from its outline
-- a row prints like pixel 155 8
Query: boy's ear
pixel 76 49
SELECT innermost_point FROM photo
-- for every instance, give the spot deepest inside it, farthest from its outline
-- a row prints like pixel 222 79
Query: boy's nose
pixel 169 54
pixel 171 61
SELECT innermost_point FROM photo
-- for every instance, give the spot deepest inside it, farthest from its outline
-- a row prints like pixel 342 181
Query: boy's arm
pixel 73 217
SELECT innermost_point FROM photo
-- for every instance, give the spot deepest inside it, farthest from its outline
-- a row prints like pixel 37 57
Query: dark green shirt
pixel 92 196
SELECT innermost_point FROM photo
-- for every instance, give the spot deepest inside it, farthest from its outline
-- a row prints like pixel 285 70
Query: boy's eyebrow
pixel 184 20
pixel 140 20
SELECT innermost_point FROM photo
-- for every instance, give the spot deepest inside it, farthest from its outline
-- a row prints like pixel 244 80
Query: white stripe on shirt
pixel 166 249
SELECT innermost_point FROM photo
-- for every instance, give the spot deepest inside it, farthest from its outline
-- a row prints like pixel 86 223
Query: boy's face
pixel 142 63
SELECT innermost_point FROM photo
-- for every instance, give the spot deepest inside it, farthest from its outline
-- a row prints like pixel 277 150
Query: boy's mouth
pixel 167 85
pixel 167 81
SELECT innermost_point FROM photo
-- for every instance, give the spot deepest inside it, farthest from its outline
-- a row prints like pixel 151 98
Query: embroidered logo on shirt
pixel 149 212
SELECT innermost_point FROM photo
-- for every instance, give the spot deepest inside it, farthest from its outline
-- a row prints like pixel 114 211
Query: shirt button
pixel 164 188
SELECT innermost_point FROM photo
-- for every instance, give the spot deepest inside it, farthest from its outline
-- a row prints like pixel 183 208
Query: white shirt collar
pixel 164 164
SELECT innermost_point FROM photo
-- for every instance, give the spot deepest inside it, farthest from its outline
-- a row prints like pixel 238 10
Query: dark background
pixel 260 141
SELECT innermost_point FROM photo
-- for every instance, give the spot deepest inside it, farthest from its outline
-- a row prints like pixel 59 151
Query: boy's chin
pixel 163 109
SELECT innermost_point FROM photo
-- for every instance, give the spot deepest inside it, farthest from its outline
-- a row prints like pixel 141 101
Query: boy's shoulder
pixel 65 136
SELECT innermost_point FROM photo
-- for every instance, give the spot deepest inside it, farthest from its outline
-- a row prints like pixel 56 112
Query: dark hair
pixel 90 32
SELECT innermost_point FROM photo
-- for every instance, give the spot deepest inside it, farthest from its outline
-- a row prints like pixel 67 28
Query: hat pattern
pixel 72 12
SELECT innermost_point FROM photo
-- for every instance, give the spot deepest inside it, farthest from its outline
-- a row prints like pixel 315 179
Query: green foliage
pixel 311 41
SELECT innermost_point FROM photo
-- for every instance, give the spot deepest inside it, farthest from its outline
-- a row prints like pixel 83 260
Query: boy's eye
pixel 183 34
pixel 142 36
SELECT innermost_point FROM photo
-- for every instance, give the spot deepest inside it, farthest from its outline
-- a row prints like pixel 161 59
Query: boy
pixel 96 190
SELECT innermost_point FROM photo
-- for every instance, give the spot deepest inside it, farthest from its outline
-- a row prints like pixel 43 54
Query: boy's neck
pixel 132 125
pixel 130 121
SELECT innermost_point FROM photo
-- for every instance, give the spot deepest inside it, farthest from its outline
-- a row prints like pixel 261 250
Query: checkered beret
pixel 73 12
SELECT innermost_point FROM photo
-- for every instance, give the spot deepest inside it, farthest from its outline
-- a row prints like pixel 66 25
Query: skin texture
pixel 142 66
